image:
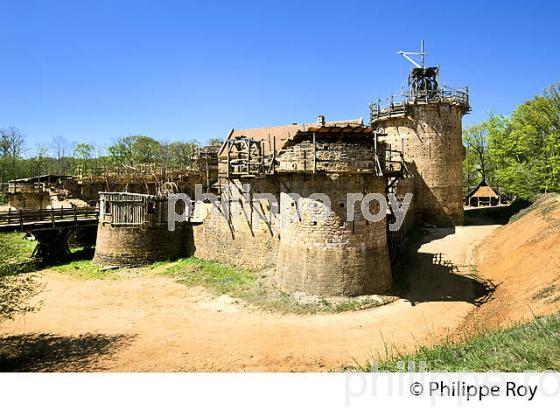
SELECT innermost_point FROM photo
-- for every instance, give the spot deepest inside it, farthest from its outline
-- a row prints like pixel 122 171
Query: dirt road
pixel 155 324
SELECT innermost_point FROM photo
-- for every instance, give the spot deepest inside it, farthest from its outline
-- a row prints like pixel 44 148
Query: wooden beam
pixel 314 153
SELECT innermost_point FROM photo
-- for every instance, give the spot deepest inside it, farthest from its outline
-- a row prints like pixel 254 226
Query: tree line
pixel 63 157
pixel 520 153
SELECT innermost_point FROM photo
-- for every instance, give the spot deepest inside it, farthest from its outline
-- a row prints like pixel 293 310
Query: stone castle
pixel 410 145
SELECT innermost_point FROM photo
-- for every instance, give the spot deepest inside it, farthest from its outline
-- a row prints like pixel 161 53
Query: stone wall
pixel 347 154
pixel 321 252
pixel 403 187
pixel 139 245
pixel 34 200
pixel 329 255
pixel 432 136
pixel 244 233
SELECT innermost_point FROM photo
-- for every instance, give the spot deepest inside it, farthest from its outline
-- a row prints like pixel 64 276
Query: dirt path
pixel 155 324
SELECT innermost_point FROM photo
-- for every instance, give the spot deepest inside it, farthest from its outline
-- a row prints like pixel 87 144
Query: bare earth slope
pixel 155 324
pixel 523 259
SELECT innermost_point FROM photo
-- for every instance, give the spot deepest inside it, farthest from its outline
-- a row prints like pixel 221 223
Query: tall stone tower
pixel 426 124
pixel 313 224
pixel 322 251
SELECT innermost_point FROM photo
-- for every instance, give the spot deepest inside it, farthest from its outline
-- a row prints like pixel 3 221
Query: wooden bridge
pixel 51 226
pixel 30 220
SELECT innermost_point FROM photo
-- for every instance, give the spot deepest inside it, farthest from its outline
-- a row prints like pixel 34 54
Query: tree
pixel 522 151
pixel 181 153
pixel 11 150
pixel 475 139
pixel 120 153
pixel 84 153
pixel 145 150
pixel 38 163
pixel 59 148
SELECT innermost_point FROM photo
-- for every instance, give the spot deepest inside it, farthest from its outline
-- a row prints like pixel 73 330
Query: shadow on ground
pixel 34 264
pixel 430 277
pixel 494 215
pixel 37 352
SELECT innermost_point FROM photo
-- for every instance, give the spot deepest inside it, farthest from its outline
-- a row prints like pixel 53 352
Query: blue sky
pixel 92 71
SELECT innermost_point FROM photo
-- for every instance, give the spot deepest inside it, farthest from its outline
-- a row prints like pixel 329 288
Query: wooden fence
pixel 48 217
pixel 122 208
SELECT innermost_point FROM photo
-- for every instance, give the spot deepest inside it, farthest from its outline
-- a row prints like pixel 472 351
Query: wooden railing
pixel 141 170
pixel 396 105
pixel 48 217
pixel 128 209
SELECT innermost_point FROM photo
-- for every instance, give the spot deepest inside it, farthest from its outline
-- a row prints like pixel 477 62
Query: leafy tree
pixel 522 152
pixel 38 164
pixel 11 151
pixel 181 153
pixel 84 153
pixel 120 152
pixel 16 287
pixel 145 150
pixel 135 149
pixel 476 164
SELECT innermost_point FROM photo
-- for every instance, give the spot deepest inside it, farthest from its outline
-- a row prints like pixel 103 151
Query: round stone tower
pixel 426 125
pixel 322 251
pixel 133 231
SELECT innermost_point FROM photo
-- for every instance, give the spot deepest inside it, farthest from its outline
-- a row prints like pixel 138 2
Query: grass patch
pixel 16 288
pixel 254 288
pixel 15 258
pixel 14 248
pixel 193 271
pixel 532 346
pixel 84 269
pixel 15 254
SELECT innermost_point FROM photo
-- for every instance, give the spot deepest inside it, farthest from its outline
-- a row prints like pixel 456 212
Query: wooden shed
pixel 483 195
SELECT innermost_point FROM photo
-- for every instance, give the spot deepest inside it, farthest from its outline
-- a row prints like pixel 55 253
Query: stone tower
pixel 426 124
pixel 321 250
pixel 313 246
pixel 133 231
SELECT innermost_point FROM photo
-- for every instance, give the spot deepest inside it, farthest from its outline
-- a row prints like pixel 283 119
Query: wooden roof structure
pixel 274 139
pixel 40 178
pixel 482 190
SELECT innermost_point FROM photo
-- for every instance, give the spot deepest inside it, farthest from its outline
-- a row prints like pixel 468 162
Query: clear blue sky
pixel 92 71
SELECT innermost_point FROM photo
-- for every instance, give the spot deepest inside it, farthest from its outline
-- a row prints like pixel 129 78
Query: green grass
pixel 15 258
pixel 13 248
pixel 15 254
pixel 83 269
pixel 532 346
pixel 193 272
pixel 16 289
pixel 252 287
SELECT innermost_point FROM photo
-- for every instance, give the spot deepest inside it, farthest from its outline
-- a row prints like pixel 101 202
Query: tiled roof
pixel 277 137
